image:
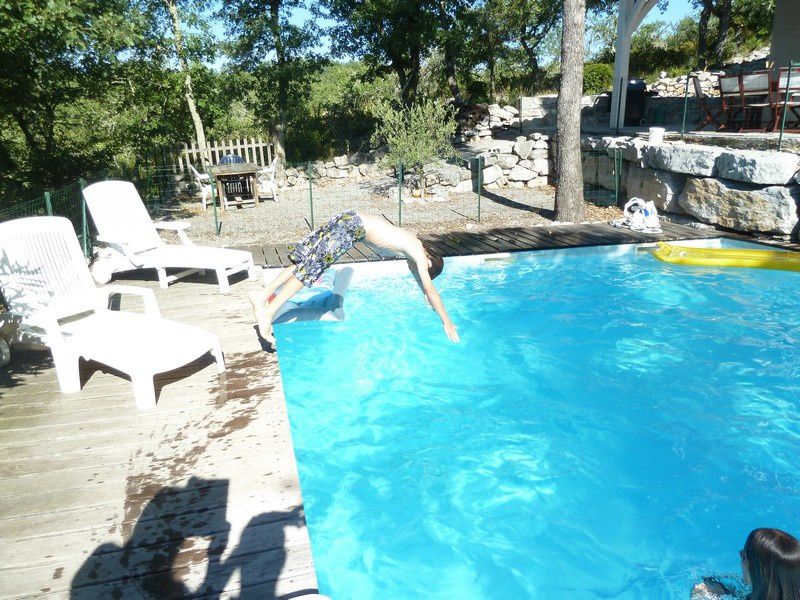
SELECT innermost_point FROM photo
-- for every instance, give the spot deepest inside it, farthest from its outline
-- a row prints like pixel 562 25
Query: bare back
pixel 382 234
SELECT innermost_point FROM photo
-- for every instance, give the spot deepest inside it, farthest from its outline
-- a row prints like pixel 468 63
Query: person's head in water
pixel 771 562
pixel 435 262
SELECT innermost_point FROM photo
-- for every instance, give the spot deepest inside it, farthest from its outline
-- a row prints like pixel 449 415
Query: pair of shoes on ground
pixel 639 215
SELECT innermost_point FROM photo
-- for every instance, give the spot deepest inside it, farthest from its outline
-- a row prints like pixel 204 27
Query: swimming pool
pixel 609 427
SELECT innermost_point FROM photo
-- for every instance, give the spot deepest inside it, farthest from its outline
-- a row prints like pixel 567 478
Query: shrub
pixel 597 78
pixel 416 135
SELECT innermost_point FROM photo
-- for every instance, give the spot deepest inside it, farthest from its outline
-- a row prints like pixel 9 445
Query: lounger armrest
pixel 148 297
pixel 122 248
pixel 179 227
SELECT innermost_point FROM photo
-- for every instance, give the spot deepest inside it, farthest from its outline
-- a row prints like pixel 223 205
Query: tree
pixel 416 135
pixel 569 185
pixel 389 35
pixel 262 29
pixel 721 9
pixel 56 58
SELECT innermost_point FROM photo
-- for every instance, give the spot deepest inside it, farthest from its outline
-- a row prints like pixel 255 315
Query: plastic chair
pixel 132 239
pixel 203 180
pixel 266 179
pixel 47 286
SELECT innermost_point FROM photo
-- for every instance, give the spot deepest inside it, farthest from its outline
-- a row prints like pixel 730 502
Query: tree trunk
pixel 569 183
pixel 702 35
pixel 188 91
pixel 534 60
pixel 279 128
pixel 449 54
pixel 723 13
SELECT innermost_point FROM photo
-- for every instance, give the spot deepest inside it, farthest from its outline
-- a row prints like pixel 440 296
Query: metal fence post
pixel 400 195
pixel 481 161
pixel 685 104
pixel 785 102
pixel 84 223
pixel 310 174
pixel 217 224
pixel 48 204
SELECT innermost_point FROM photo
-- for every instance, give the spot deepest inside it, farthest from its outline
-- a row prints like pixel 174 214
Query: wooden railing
pixel 252 150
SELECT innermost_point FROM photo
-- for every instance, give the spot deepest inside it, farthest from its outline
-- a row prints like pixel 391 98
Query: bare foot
pixel 258 300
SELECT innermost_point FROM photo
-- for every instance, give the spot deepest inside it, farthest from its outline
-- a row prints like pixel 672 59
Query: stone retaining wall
pixel 745 190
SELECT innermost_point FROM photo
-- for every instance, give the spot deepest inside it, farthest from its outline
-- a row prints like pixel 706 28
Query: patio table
pixel 227 172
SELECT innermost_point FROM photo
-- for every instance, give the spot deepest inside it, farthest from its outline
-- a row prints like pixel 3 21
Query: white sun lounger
pixel 48 288
pixel 126 229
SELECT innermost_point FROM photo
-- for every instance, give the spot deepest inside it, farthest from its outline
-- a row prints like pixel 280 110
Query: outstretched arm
pixel 420 272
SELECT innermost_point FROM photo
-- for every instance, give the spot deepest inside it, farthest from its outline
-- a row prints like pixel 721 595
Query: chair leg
pixel 163 282
pixel 216 352
pixel 144 392
pixel 222 279
pixel 67 370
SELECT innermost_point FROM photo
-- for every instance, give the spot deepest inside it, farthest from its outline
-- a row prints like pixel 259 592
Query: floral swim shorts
pixel 315 253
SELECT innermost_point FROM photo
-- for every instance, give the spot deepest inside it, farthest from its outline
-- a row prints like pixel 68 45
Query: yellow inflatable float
pixel 728 257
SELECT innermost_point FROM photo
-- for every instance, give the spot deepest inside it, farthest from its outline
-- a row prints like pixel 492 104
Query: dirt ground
pixel 290 217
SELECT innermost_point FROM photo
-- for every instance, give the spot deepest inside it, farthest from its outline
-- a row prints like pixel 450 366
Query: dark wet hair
pixel 437 263
pixel 773 561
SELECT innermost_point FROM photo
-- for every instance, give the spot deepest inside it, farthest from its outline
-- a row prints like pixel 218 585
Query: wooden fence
pixel 252 150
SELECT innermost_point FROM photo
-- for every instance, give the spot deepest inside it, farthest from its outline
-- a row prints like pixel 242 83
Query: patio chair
pixel 47 286
pixel 731 101
pixel 132 242
pixel 711 116
pixel 203 180
pixel 266 179
pixel 756 93
pixel 792 106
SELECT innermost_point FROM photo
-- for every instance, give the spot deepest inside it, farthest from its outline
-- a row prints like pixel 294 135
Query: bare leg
pixel 265 312
pixel 260 298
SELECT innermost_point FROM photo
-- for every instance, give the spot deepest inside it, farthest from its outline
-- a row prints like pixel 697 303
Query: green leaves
pixel 416 135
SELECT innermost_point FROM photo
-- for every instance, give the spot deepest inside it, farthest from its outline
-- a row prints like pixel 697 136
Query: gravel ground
pixel 288 218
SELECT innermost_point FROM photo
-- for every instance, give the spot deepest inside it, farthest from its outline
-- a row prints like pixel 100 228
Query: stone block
pixel 541 166
pixel 511 109
pixel 761 167
pixel 523 149
pixel 463 187
pixel 606 177
pixel 662 187
pixel 491 174
pixel 589 168
pixel 521 174
pixel 507 161
pixel 341 161
pixel 359 158
pixel 741 206
pixel 691 159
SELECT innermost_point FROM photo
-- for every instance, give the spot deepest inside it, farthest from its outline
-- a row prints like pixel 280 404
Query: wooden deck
pixel 518 239
pixel 199 495
pixel 99 500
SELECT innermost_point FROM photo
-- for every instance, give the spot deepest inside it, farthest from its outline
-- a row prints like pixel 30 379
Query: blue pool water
pixel 609 427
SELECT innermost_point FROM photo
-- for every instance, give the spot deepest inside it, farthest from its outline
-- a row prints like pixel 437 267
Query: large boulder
pixel 741 206
pixel 496 111
pixel 521 174
pixel 445 173
pixel 633 150
pixel 754 166
pixel 662 187
pixel 507 161
pixel 606 177
pixel 491 174
pixel 691 159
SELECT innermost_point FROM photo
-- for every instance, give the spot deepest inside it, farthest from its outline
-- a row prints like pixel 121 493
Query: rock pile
pixel 668 87
pixel 497 118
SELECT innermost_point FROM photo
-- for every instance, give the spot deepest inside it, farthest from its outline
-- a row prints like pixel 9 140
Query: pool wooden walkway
pixel 517 239
pixel 199 496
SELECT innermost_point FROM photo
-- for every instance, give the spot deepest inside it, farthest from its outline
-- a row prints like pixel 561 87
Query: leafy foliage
pixel 415 135
pixel 597 77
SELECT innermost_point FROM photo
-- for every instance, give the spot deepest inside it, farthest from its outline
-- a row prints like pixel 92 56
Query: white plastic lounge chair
pixel 203 180
pixel 47 285
pixel 126 229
